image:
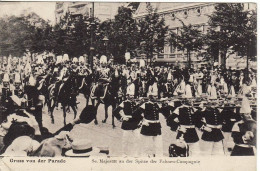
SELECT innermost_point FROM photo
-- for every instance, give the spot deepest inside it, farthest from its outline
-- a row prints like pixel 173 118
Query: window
pixel 198 11
pixel 185 14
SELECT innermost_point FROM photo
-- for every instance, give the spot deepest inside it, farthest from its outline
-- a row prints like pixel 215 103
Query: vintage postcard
pixel 128 85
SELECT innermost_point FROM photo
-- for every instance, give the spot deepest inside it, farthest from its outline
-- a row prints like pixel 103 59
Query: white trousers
pixel 130 142
pixel 212 148
pixel 194 149
pixel 152 146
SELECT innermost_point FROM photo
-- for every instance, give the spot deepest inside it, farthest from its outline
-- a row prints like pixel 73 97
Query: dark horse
pixel 110 98
pixel 66 95
pixel 84 85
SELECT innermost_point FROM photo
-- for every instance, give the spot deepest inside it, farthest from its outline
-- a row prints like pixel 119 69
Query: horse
pixel 110 98
pixel 85 85
pixel 66 96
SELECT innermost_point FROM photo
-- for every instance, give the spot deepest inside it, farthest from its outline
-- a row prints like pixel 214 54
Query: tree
pixel 246 35
pixel 152 32
pixel 122 33
pixel 188 39
pixel 227 24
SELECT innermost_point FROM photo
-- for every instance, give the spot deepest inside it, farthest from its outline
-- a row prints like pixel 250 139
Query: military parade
pixel 205 107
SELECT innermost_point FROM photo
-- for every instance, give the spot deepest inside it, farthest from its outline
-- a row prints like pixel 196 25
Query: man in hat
pixel 5 91
pixel 126 112
pixel 244 132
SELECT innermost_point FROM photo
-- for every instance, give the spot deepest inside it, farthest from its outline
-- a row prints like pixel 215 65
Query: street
pixel 103 134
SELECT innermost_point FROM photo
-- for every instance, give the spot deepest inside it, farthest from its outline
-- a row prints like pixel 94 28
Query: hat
pixel 6 78
pixel 245 106
pixel 59 59
pixel 81 59
pixel 65 57
pixel 17 78
pixel 82 148
pixel 75 60
pixel 103 59
pixel 32 81
pixel 22 146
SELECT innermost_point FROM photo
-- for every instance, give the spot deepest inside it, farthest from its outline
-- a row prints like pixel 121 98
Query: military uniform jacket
pixel 151 112
pixel 189 118
pixel 212 117
pixel 128 108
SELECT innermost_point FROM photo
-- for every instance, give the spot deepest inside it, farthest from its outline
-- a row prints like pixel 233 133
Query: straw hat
pixel 82 148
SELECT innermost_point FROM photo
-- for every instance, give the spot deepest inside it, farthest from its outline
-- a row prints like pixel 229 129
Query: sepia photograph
pixel 140 80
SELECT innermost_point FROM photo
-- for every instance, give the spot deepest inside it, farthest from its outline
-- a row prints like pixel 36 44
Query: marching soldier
pixel 188 119
pixel 131 119
pixel 151 126
pixel 212 137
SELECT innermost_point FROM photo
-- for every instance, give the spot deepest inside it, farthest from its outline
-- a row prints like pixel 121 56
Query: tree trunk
pixel 188 58
pixel 223 58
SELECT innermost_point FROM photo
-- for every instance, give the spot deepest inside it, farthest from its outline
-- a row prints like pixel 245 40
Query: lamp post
pixel 105 40
pixel 92 37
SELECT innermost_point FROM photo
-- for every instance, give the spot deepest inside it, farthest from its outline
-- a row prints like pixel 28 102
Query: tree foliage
pixel 152 30
pixel 188 39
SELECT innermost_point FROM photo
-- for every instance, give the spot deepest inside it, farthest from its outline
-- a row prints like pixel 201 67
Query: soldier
pixel 6 92
pixel 188 118
pixel 131 119
pixel 244 132
pixel 34 102
pixel 151 126
pixel 212 137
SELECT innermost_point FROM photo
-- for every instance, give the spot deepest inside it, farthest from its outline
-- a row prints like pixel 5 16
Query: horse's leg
pixel 64 113
pixel 74 110
pixel 93 102
pixel 51 112
pixel 106 114
pixel 96 122
pixel 113 117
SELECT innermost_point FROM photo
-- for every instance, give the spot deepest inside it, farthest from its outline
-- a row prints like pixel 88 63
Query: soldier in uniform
pixel 188 118
pixel 151 126
pixel 130 123
pixel 5 94
pixel 212 137
pixel 34 103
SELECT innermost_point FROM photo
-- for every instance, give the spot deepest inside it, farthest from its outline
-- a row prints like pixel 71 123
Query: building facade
pixel 102 10
pixel 195 14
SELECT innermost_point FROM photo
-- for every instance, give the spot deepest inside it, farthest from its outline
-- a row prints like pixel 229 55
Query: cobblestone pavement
pixel 103 135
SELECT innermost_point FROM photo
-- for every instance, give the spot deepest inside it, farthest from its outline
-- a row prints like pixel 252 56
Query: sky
pixel 44 9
